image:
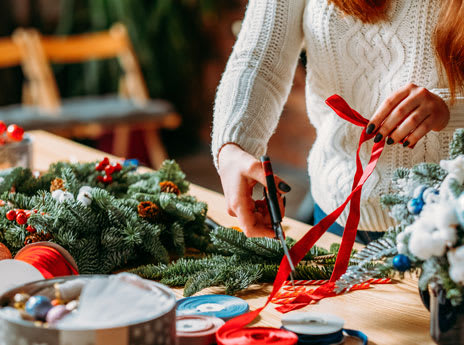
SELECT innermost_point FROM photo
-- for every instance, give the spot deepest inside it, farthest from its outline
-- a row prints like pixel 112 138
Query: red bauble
pixel 99 166
pixel 100 178
pixel 15 132
pixel 109 169
pixel 107 179
pixel 105 161
pixel 21 218
pixel 31 229
pixel 2 127
pixel 11 215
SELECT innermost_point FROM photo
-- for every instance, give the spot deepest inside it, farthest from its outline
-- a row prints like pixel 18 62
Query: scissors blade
pixel 279 232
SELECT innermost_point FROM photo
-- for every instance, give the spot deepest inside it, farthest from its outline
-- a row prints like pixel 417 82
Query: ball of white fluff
pixel 443 215
pixel 87 189
pixel 402 248
pixel 85 198
pixel 455 168
pixel 430 196
pixel 66 196
pixel 456 260
pixel 449 235
pixel 424 245
pixel 56 194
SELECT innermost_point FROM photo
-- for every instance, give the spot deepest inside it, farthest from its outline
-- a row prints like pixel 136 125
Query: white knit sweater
pixel 364 63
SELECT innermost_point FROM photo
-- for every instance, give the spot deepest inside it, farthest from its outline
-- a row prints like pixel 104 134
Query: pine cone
pixel 57 184
pixel 149 210
pixel 37 237
pixel 169 187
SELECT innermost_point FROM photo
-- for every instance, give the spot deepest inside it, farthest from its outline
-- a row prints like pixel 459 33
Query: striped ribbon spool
pixel 222 306
pixel 197 329
pixel 288 283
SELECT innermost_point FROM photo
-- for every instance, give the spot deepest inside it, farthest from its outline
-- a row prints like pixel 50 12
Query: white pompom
pixel 425 245
pixel 456 260
pixel 66 196
pixel 401 236
pixel 402 248
pixel 87 189
pixel 444 215
pixel 431 196
pixel 84 198
pixel 56 194
pixel 457 273
pixel 449 235
pixel 455 168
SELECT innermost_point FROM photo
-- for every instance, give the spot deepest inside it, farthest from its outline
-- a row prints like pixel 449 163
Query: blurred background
pixel 182 47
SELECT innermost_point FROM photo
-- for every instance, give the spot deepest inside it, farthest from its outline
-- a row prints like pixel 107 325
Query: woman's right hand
pixel 239 172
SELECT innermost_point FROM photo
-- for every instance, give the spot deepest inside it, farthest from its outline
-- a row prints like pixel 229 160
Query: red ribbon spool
pixel 50 259
pixel 258 336
pixel 299 250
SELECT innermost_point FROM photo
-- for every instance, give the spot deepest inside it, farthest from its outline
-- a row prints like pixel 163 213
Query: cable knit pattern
pixel 364 63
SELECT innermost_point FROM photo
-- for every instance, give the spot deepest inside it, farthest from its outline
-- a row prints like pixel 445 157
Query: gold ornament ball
pixel 4 252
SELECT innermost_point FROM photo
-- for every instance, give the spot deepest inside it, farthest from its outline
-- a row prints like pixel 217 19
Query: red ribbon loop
pixel 299 250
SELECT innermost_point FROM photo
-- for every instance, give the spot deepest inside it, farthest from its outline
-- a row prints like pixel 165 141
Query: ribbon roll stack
pixel 319 329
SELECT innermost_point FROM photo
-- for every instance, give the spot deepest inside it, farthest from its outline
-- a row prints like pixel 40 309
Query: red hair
pixel 448 39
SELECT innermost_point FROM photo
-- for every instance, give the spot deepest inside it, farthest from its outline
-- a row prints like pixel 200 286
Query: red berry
pixel 99 167
pixel 2 127
pixel 100 178
pixel 35 211
pixel 31 229
pixel 109 169
pixel 107 179
pixel 117 167
pixel 28 213
pixel 105 161
pixel 21 218
pixel 11 215
pixel 15 132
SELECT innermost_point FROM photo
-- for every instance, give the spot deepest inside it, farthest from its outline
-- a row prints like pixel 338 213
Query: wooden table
pixel 388 314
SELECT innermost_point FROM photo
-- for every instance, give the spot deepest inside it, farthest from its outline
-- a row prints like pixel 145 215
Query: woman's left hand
pixel 407 115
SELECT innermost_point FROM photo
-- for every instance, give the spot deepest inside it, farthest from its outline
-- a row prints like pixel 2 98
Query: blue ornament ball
pixel 415 206
pixel 38 307
pixel 401 262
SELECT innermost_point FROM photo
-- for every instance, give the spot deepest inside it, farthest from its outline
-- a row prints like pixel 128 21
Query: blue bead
pixel 415 206
pixel 401 262
pixel 38 307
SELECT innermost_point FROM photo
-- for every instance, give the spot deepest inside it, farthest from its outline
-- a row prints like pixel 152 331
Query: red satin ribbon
pixel 299 250
pixel 47 260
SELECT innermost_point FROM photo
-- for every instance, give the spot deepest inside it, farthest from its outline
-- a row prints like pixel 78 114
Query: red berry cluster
pixel 105 166
pixel 21 217
pixel 10 133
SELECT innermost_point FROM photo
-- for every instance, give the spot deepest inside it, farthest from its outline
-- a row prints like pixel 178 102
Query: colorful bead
pixel 56 313
pixel 20 300
pixel 38 306
pixel 401 262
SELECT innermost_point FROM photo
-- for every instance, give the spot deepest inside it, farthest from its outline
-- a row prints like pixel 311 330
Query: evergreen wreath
pixel 111 218
pixel 429 236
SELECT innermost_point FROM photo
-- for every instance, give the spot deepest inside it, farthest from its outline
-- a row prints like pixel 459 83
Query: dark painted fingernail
pixel 370 128
pixel 390 141
pixel 284 200
pixel 378 137
pixel 284 187
pixel 406 144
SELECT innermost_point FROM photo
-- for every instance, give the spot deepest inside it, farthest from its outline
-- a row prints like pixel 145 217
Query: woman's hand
pixel 239 172
pixel 408 115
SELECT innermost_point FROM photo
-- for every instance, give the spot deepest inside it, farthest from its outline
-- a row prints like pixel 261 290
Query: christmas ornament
pixel 56 313
pixel 85 198
pixel 31 229
pixel 149 210
pixel 38 306
pixel 169 187
pixel 11 215
pixel 197 329
pixel 65 196
pixel 57 184
pixel 37 237
pixel 21 218
pixel 15 133
pixel 415 206
pixel 107 179
pixel 4 252
pixel 2 127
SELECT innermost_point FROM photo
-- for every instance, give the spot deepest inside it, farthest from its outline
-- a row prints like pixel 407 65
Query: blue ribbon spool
pixel 319 329
pixel 221 306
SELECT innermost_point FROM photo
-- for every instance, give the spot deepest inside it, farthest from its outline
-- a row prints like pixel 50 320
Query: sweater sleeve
pixel 456 109
pixel 258 75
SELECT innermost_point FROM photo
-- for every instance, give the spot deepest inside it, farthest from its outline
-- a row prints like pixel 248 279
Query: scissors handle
pixel 273 203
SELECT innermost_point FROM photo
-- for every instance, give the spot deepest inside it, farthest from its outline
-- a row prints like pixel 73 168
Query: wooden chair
pixel 91 115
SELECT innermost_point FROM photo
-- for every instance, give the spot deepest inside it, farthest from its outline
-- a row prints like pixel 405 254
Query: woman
pixel 400 63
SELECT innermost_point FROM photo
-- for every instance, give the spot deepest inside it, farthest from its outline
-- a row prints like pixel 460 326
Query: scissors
pixel 270 194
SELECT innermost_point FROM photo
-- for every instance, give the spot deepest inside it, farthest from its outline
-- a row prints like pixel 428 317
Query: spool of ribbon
pixel 257 336
pixel 299 250
pixel 197 329
pixel 222 306
pixel 36 261
pixel 319 329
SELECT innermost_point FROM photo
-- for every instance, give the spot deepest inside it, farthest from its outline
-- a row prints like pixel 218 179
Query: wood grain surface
pixel 389 314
